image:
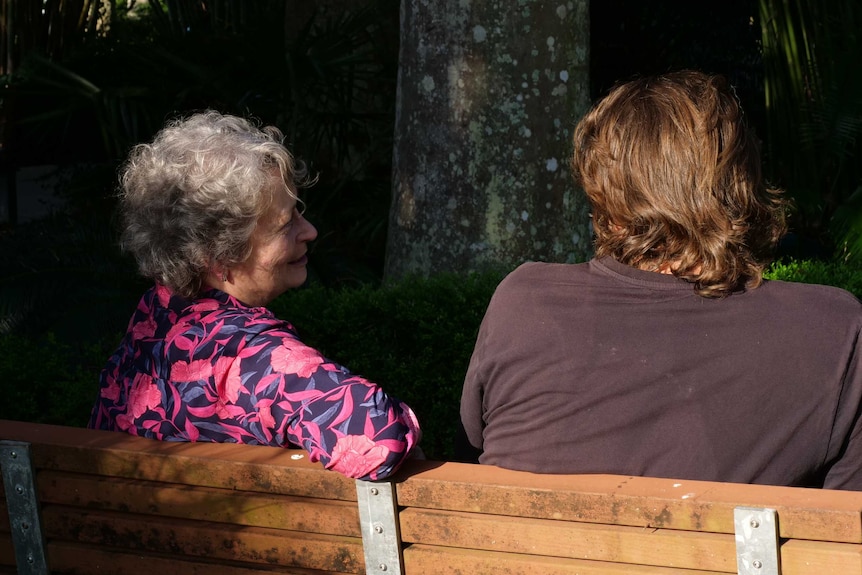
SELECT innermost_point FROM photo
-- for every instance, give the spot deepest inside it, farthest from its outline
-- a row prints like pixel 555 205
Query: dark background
pixel 78 98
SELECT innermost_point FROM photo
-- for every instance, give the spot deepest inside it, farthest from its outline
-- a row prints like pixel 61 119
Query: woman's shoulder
pixel 258 324
pixel 212 317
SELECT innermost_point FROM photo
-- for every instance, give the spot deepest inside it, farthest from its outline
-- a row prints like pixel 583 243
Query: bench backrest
pixel 104 502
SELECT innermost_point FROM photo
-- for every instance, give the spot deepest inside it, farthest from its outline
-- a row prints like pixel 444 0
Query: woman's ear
pixel 217 274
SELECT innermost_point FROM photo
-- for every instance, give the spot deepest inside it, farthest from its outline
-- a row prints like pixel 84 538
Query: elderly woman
pixel 211 215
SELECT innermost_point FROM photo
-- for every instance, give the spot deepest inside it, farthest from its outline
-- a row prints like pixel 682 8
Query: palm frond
pixel 813 91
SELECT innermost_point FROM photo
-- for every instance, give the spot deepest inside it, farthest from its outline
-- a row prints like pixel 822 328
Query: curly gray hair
pixel 193 197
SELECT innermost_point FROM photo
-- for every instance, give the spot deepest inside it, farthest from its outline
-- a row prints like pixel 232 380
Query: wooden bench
pixel 83 501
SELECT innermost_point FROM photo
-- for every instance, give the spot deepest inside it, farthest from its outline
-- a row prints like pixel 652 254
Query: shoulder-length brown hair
pixel 674 178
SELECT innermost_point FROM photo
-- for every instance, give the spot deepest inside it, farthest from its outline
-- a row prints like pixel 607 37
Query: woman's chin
pixel 298 276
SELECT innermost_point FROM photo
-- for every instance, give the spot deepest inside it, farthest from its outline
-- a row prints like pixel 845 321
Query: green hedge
pixel 413 337
pixel 845 276
pixel 46 380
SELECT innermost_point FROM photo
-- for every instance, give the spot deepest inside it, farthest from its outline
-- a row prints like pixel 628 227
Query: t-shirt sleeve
pixel 472 411
pixel 342 420
pixel 846 471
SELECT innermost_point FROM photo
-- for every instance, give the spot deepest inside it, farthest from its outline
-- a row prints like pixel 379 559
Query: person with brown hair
pixel 668 354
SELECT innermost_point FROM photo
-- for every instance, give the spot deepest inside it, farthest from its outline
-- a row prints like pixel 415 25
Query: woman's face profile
pixel 278 257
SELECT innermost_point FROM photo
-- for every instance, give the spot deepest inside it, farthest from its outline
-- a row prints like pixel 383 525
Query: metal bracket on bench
pixel 24 518
pixel 756 541
pixel 378 517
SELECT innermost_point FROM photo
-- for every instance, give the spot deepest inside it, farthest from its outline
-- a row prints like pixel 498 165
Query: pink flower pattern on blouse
pixel 214 369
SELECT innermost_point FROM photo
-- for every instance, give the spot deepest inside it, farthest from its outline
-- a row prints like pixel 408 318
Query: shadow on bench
pixel 83 501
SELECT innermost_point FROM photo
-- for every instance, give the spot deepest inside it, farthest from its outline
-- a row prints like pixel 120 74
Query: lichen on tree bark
pixel 488 95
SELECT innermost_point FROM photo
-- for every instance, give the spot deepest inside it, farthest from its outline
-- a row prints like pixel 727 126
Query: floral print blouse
pixel 214 369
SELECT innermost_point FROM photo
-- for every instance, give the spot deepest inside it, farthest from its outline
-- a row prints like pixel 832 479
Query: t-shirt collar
pixel 635 276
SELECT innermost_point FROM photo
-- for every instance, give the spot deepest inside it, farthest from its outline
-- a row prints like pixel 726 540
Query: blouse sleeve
pixel 342 420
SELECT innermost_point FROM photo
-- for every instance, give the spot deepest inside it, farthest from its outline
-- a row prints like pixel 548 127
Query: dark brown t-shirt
pixel 603 368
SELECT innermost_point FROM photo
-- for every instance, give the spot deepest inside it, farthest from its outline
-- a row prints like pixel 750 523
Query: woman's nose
pixel 308 232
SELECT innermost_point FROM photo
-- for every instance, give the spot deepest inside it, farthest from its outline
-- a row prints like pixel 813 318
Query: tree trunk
pixel 488 95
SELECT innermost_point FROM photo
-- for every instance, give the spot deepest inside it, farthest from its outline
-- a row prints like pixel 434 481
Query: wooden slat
pixel 615 544
pixel 203 503
pixel 231 466
pixel 612 543
pixel 214 541
pixel 426 560
pixel 820 558
pixel 74 559
pixel 814 514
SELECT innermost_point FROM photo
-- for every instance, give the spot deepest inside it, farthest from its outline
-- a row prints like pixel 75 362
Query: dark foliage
pixel 326 80
pixel 630 38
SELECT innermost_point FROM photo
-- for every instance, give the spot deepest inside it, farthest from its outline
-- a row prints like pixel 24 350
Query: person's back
pixel 604 368
pixel 659 357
